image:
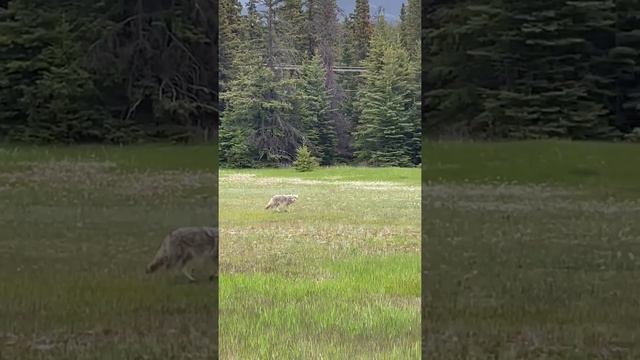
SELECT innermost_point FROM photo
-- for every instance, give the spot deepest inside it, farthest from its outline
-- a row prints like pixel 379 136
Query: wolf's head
pixel 211 232
pixel 155 264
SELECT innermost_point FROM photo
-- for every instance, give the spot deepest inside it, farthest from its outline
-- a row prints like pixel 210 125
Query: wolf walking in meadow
pixel 281 200
pixel 185 244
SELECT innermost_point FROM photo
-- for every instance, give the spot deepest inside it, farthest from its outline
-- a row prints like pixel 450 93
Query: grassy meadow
pixel 532 250
pixel 335 277
pixel 77 227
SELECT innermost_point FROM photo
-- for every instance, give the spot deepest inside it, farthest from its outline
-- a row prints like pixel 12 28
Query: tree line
pixel 108 72
pixel 506 69
pixel 269 112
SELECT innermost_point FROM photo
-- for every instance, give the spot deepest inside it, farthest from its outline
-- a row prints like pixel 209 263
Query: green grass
pixel 526 270
pixel 139 157
pixel 341 173
pixel 596 165
pixel 78 226
pixel 336 277
pixel 516 269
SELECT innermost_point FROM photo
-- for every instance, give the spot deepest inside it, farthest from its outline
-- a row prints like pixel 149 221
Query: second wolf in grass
pixel 185 244
pixel 281 200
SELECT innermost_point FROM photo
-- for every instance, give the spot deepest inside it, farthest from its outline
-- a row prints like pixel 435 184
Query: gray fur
pixel 279 200
pixel 184 245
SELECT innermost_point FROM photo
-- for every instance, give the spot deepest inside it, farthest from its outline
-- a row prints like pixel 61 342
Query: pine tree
pixel 292 30
pixel 260 105
pixel 550 56
pixel 255 26
pixel 24 33
pixel 273 52
pixel 317 124
pixel 325 30
pixel 509 69
pixel 362 29
pixel 410 27
pixel 234 150
pixel 45 94
pixel 309 26
pixel 117 72
pixel 347 42
pixel 349 82
pixel 620 67
pixel 63 106
pixel 232 33
pixel 304 160
pixel 387 134
pixel 452 74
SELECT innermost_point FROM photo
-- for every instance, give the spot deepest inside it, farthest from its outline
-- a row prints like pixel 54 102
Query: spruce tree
pixel 232 33
pixel 550 56
pixel 325 30
pixel 292 30
pixel 347 42
pixel 260 104
pixel 305 161
pixel 509 69
pixel 234 149
pixel 45 93
pixel 349 82
pixel 255 26
pixel 621 66
pixel 64 105
pixel 317 124
pixel 410 28
pixel 26 33
pixel 386 134
pixel 309 26
pixel 362 29
pixel 74 71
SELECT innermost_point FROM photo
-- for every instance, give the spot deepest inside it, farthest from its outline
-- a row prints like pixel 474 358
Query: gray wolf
pixel 185 244
pixel 281 200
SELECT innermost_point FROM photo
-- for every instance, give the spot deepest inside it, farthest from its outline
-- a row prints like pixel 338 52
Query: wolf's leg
pixel 188 274
pixel 216 269
pixel 185 271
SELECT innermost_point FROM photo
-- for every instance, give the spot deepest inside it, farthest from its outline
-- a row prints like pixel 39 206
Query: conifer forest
pixel 503 69
pixel 305 73
pixel 108 71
